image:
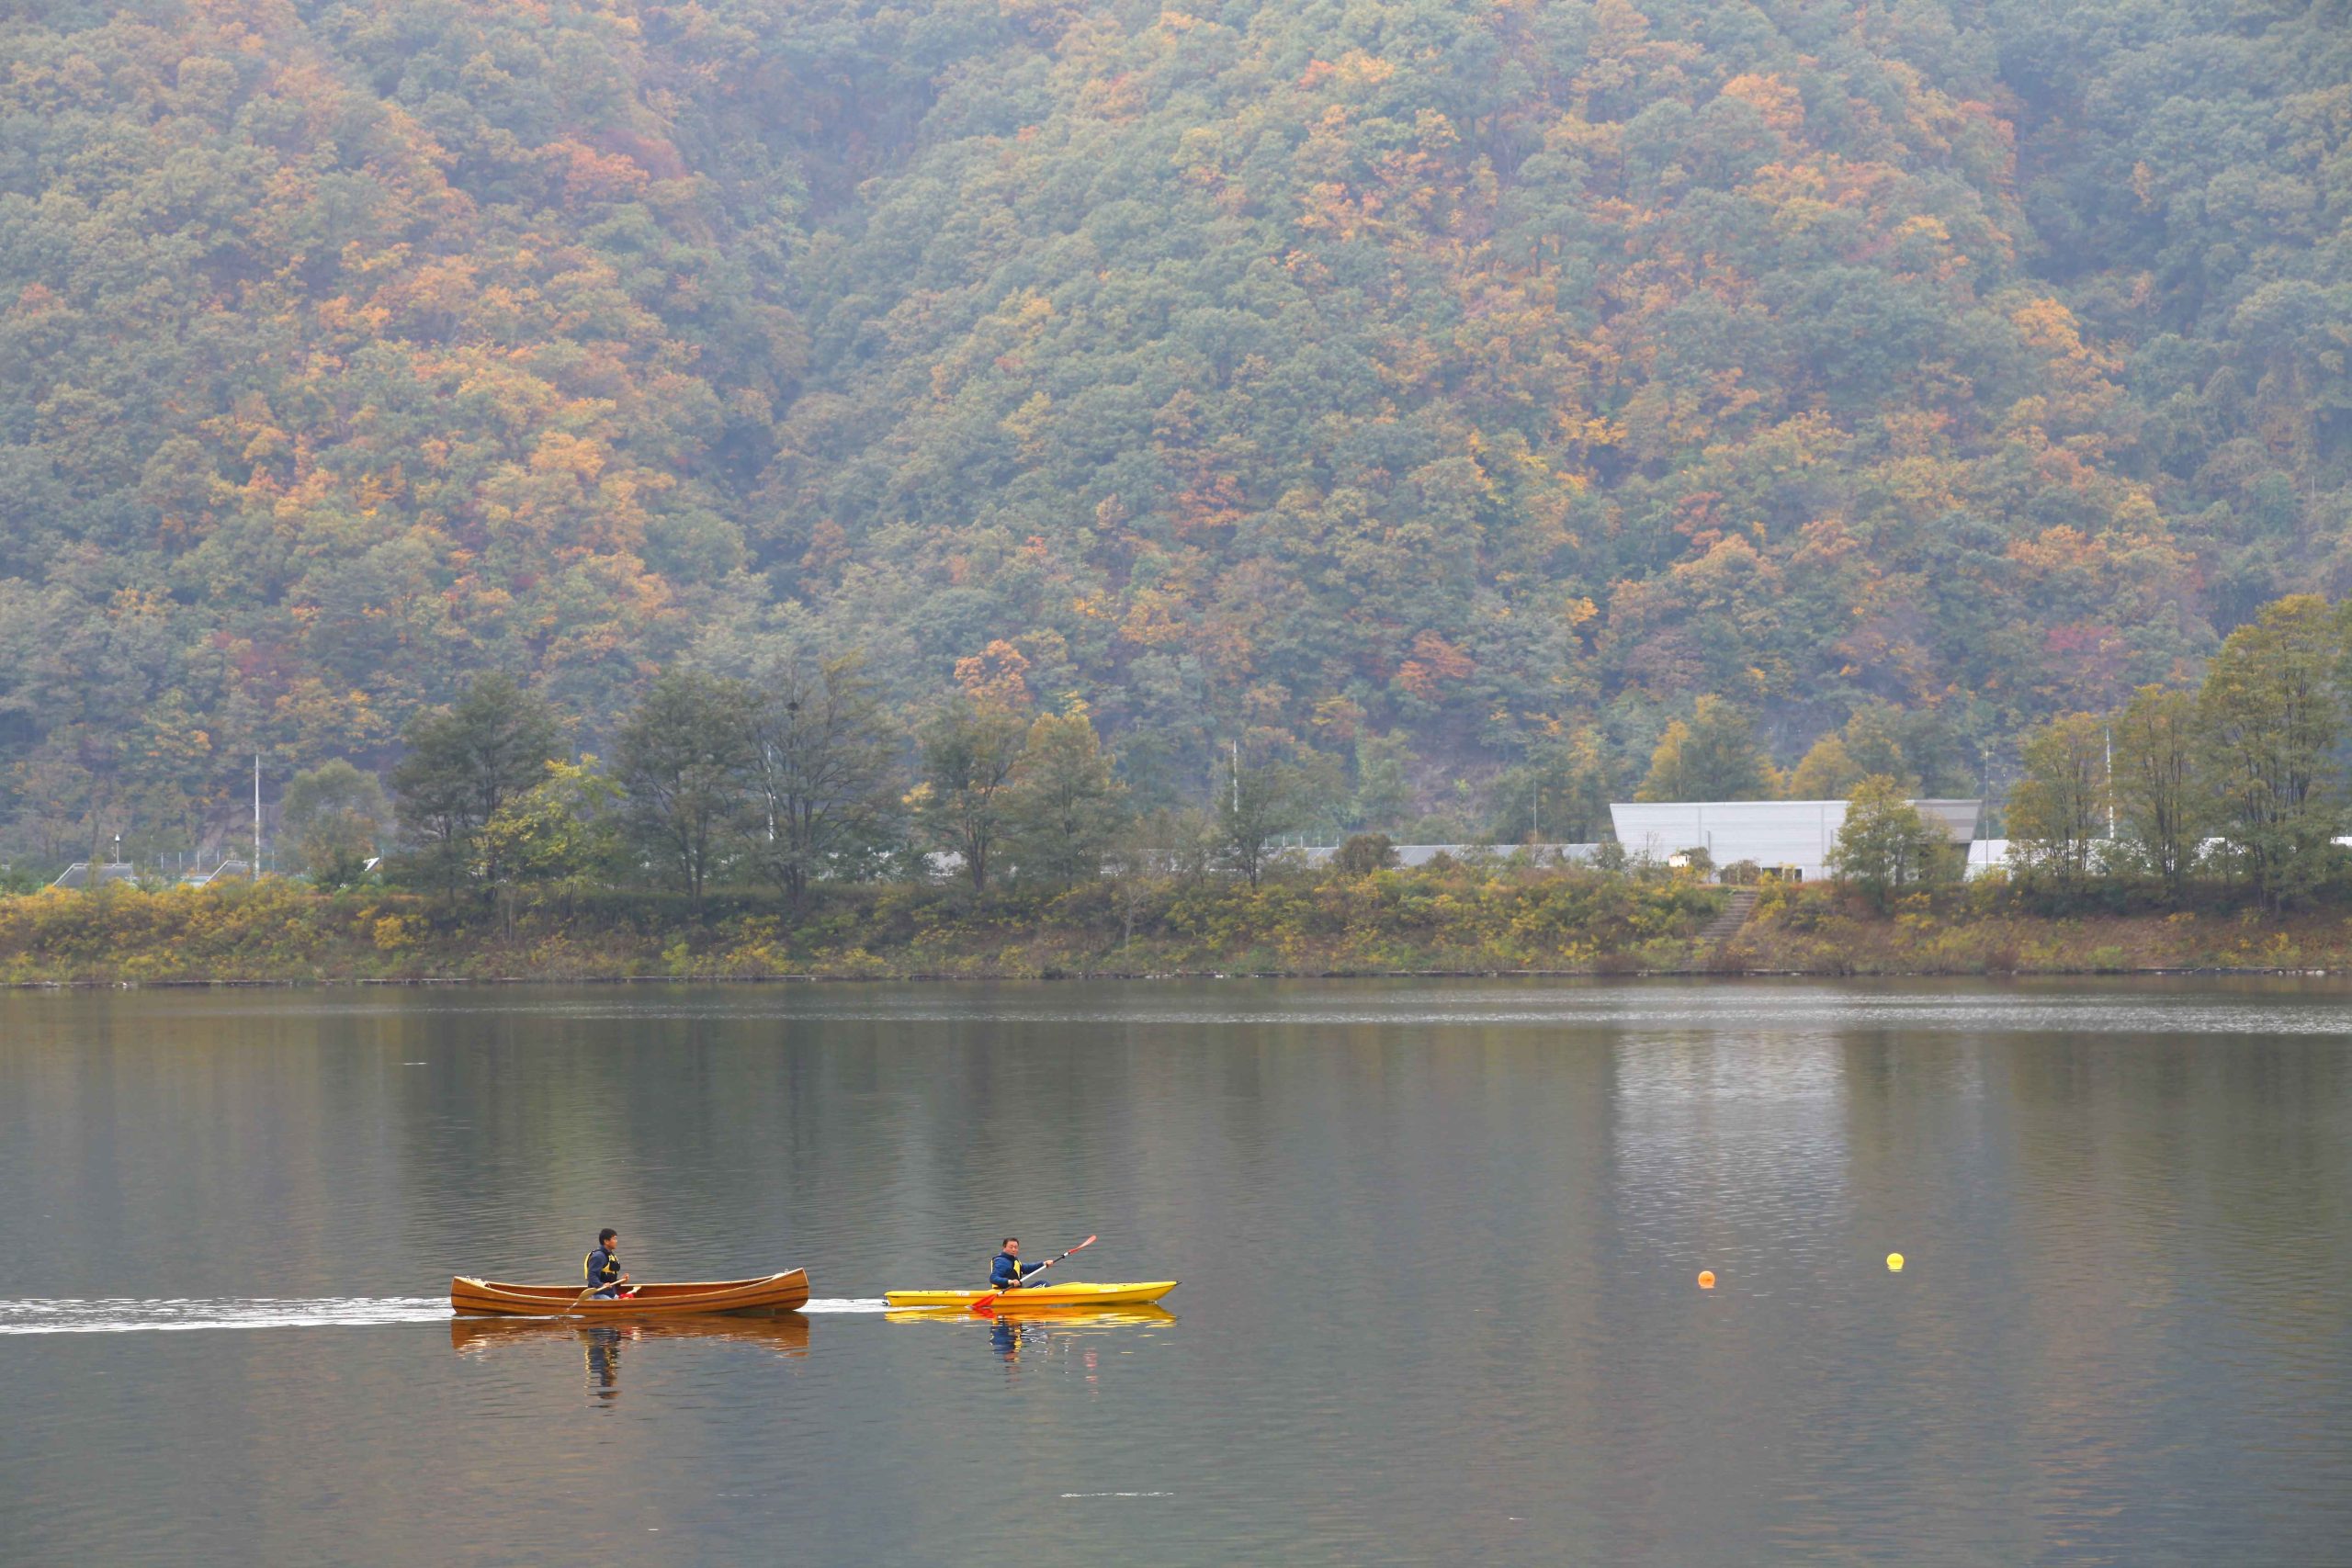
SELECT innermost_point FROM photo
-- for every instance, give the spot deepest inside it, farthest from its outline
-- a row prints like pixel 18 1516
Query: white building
pixel 1792 837
pixel 1411 855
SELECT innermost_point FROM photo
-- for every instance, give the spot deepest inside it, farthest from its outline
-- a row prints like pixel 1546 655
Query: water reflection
pixel 603 1345
pixel 2122 1337
pixel 1037 1333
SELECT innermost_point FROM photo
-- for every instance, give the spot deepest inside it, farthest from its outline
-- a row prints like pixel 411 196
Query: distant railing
pixel 81 874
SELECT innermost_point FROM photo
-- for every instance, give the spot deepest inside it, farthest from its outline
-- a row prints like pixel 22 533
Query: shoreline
pixel 935 977
pixel 1460 923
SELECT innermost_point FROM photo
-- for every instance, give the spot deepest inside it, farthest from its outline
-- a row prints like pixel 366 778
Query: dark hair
pixel 604 1236
pixel 1008 1241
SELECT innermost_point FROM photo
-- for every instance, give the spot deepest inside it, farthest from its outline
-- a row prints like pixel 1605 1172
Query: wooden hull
pixel 770 1292
pixel 1037 1297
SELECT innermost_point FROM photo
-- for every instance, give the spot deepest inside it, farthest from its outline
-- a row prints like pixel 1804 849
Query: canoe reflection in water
pixel 1041 1330
pixel 784 1334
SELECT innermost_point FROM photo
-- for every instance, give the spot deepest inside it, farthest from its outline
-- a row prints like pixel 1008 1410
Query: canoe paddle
pixel 619 1296
pixel 985 1302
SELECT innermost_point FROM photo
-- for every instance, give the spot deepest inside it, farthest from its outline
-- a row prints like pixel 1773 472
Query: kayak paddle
pixel 983 1304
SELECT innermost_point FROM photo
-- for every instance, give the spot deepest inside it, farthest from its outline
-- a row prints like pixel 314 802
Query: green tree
pixel 1882 739
pixel 336 815
pixel 1915 749
pixel 2058 810
pixel 827 762
pixel 462 764
pixel 1827 771
pixel 1384 797
pixel 1558 794
pixel 1713 755
pixel 562 835
pixel 1884 846
pixel 969 751
pixel 683 761
pixel 1064 806
pixel 2269 716
pixel 1360 854
pixel 1260 798
pixel 2161 805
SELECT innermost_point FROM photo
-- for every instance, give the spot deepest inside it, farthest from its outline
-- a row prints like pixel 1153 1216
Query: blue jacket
pixel 600 1268
pixel 1005 1272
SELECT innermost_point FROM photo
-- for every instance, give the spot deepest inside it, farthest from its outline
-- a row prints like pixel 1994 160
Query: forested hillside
pixel 1445 387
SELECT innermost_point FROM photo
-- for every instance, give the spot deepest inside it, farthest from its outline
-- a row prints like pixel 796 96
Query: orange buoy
pixel 1706 1278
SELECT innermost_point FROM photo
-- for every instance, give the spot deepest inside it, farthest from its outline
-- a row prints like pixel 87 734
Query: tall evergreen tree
pixel 1715 755
pixel 2058 811
pixel 465 762
pixel 826 764
pixel 2162 802
pixel 683 761
pixel 2270 714
pixel 1065 807
pixel 969 751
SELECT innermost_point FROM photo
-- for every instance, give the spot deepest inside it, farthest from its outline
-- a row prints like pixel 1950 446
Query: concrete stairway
pixel 1725 926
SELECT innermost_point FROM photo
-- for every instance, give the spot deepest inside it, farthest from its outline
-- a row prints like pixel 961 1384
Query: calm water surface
pixel 1438 1242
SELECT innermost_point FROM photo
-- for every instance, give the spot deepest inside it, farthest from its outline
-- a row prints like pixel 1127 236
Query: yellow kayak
pixel 1069 1293
pixel 1080 1316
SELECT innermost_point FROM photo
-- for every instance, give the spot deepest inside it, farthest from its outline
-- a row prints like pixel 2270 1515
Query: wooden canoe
pixel 770 1292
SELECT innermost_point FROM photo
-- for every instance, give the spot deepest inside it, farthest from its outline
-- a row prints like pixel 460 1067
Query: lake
pixel 1439 1245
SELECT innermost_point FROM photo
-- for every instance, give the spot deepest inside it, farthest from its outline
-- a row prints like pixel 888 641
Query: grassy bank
pixel 1993 929
pixel 1452 918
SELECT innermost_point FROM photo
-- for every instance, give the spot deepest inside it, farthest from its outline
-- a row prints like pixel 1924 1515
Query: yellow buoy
pixel 1706 1278
pixel 1895 1262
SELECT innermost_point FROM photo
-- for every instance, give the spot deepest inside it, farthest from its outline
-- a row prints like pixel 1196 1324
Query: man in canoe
pixel 1004 1274
pixel 602 1267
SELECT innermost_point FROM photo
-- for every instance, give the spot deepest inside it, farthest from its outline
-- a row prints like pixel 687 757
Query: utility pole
pixel 2110 782
pixel 1237 778
pixel 255 875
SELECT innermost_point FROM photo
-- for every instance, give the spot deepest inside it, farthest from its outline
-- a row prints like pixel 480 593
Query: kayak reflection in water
pixel 1011 1338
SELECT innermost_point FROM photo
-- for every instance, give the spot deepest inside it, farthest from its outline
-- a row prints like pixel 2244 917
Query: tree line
pixel 2242 778
pixel 806 776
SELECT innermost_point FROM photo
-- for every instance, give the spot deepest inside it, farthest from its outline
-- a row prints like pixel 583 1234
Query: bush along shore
pixel 1451 919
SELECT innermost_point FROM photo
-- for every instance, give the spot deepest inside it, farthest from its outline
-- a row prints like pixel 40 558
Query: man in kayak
pixel 601 1268
pixel 1004 1274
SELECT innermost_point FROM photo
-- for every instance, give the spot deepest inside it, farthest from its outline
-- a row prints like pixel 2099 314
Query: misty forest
pixel 1448 402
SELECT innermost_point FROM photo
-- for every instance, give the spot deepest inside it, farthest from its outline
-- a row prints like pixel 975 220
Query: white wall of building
pixel 1798 835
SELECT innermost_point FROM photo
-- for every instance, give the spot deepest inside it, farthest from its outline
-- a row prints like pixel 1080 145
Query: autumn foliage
pixel 1483 380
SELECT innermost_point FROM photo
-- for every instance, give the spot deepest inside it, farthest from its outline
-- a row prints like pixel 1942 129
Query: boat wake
pixel 126 1315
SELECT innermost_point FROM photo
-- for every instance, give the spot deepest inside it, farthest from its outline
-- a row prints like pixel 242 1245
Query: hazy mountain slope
pixel 1462 372
pixel 1471 367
